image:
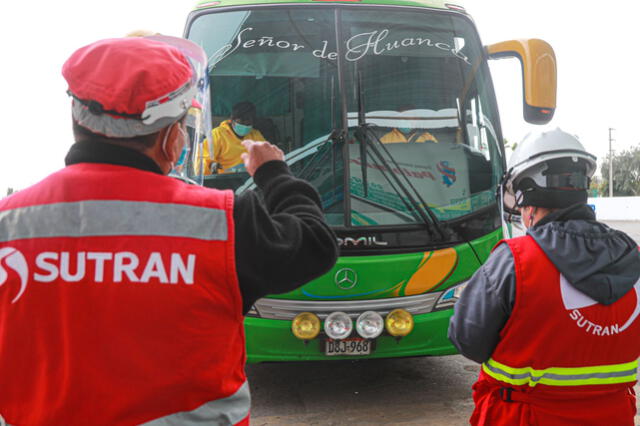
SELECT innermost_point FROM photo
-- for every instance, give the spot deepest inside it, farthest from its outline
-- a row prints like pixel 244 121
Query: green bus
pixel 388 109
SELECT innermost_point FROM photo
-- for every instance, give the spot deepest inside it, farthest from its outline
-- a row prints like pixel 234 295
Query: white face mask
pixel 185 139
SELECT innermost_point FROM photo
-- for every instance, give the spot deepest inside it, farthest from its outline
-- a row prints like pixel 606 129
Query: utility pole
pixel 610 164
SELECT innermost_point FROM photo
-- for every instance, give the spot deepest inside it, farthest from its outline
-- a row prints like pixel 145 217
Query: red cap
pixel 115 81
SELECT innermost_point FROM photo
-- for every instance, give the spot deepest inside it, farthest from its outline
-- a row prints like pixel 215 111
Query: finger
pixel 247 143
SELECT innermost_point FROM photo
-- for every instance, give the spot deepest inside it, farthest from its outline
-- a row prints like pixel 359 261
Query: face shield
pixel 509 211
pixel 197 121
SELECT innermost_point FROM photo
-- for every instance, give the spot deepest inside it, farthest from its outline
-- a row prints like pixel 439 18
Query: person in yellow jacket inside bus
pixel 227 140
pixel 405 133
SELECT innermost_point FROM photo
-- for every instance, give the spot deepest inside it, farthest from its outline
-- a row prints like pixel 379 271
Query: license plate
pixel 353 346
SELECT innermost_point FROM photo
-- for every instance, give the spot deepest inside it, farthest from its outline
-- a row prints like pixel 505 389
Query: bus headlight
pixel 369 325
pixel 338 325
pixel 450 296
pixel 253 312
pixel 399 323
pixel 305 326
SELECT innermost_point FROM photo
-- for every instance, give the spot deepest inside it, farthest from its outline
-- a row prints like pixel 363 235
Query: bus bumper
pixel 270 340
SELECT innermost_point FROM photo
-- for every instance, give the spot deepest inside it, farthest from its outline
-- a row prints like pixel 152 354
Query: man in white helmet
pixel 123 290
pixel 553 315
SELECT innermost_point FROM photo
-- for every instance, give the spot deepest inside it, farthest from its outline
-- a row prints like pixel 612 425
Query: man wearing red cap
pixel 123 290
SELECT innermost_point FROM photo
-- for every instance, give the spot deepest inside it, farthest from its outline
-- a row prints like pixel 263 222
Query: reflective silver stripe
pixel 111 218
pixel 584 376
pixel 113 127
pixel 553 376
pixel 226 411
pixel 504 373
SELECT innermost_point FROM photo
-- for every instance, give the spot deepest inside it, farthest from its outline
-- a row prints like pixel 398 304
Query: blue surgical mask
pixel 241 129
pixel 185 150
pixel 183 156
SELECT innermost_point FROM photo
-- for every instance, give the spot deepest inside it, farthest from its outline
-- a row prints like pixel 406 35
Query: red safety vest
pixel 562 358
pixel 119 302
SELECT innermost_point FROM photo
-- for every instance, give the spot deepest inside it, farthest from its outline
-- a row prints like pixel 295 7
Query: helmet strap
pixel 506 230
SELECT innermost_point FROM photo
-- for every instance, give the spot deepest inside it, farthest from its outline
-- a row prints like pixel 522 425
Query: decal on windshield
pixel 358 46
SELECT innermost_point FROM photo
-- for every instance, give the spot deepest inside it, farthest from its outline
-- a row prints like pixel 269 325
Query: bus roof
pixel 437 4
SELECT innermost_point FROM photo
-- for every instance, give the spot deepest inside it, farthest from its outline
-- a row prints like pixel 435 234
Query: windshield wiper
pixel 363 133
pixel 361 136
pixel 416 202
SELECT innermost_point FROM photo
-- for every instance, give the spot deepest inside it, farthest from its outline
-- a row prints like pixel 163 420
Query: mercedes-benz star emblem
pixel 346 278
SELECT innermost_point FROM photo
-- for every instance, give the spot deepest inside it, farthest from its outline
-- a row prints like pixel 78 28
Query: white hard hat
pixel 548 169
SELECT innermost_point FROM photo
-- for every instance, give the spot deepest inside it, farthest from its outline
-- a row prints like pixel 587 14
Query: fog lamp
pixel 338 325
pixel 399 323
pixel 369 324
pixel 305 326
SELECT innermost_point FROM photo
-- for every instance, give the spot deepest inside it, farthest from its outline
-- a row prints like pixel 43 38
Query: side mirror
pixel 539 75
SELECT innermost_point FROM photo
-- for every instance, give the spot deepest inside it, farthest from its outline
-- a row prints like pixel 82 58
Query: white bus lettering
pixel 265 40
pixel 227 49
pixel 422 41
pixel 357 46
pixel 322 53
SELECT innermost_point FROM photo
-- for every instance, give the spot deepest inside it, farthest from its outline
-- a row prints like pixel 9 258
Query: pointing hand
pixel 259 153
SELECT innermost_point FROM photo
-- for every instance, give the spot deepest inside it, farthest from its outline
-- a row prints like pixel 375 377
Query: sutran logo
pixel 574 300
pixel 12 259
pixel 97 267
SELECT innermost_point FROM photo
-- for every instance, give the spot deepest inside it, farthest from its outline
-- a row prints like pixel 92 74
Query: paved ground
pixel 415 391
pixel 412 391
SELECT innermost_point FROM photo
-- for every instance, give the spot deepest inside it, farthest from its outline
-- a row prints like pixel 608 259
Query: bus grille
pixel 286 309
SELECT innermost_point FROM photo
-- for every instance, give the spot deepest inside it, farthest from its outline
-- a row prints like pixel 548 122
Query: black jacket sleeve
pixel 484 306
pixel 283 242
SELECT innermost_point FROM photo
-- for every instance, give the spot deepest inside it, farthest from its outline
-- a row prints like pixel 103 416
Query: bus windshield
pixel 388 112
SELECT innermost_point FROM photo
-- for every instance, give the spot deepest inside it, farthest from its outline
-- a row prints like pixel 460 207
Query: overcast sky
pixel 595 49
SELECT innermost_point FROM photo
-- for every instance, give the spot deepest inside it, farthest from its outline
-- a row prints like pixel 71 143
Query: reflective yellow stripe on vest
pixel 562 376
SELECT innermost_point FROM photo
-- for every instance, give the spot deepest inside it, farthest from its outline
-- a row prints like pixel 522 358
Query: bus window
pixel 422 75
pixel 421 81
